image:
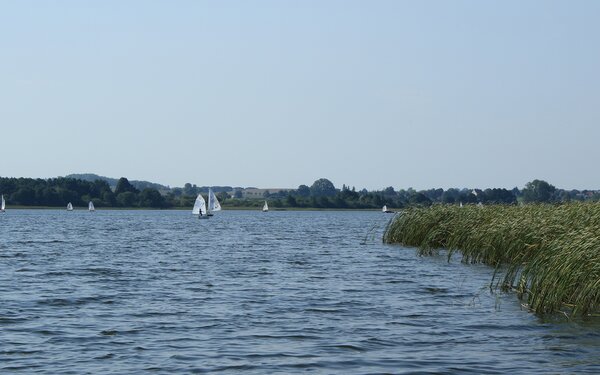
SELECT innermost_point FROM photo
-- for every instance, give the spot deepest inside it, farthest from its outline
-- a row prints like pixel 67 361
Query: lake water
pixel 126 292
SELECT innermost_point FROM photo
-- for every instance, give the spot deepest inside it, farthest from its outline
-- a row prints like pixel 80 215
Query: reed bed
pixel 549 254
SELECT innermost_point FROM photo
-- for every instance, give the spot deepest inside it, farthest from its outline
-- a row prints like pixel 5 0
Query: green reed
pixel 549 254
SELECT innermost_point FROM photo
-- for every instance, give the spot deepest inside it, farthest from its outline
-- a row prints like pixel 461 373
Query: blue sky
pixel 369 94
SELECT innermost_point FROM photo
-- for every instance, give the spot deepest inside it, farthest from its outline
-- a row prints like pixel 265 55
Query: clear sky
pixel 279 93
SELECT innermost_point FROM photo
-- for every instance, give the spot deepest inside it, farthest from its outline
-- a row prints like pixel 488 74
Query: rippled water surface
pixel 124 292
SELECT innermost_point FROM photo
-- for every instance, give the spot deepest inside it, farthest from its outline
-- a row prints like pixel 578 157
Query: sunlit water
pixel 124 292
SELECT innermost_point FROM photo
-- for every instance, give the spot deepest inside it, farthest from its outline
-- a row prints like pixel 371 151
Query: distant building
pixel 255 193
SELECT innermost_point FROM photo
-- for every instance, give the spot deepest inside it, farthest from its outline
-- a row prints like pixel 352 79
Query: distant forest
pixel 57 192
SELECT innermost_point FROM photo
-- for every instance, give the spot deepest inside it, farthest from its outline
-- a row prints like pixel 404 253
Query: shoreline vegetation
pixel 106 192
pixel 58 192
pixel 549 254
pixel 228 208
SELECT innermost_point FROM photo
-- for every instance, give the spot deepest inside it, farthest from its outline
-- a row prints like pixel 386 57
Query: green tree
pixel 340 202
pixel 123 186
pixel 109 198
pixel 348 194
pixel 303 191
pixel 189 189
pixel 538 191
pixel 322 188
pixel 151 197
pixel 222 196
pixel 126 199
pixel 420 199
pixel 389 191
pixel 50 197
pixel 24 196
pixel 450 196
pixel 98 188
pixel 291 201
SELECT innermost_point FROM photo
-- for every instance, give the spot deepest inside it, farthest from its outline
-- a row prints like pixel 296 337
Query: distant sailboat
pixel 265 207
pixel 91 206
pixel 200 207
pixel 213 203
pixel 385 210
pixel 3 204
pixel 69 207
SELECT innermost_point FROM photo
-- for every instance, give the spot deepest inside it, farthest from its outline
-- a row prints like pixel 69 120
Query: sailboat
pixel 213 203
pixel 200 207
pixel 91 206
pixel 69 207
pixel 265 207
pixel 384 209
pixel 3 204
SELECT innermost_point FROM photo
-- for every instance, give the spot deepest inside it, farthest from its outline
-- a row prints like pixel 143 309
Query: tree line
pixel 57 192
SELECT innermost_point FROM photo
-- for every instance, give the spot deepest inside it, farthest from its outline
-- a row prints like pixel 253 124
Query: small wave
pixel 234 368
pixel 150 314
pixel 15 255
pixel 9 320
pixel 324 310
pixel 280 355
pixel 59 273
pixel 501 327
pixel 48 332
pixel 56 302
pixel 374 343
pixel 185 358
pixel 295 337
pixel 29 242
pixel 102 271
pixel 105 356
pixel 349 347
pixel 77 301
pixel 433 290
pixel 352 290
pixel 20 352
pixel 206 289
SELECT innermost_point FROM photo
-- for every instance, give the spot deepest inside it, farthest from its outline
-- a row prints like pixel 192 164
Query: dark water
pixel 125 292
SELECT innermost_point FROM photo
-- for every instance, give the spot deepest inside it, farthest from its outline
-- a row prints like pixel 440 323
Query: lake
pixel 126 292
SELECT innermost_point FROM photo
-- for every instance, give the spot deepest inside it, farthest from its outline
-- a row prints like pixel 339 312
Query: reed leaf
pixel 549 254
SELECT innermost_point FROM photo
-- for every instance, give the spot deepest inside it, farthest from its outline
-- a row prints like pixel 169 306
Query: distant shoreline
pixel 82 208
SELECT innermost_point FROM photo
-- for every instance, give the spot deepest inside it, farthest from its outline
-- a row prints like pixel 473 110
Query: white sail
pixel 91 206
pixel 384 209
pixel 3 205
pixel 69 207
pixel 199 206
pixel 213 202
pixel 265 207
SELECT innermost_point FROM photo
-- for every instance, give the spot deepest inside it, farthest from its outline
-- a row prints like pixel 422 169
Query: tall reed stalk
pixel 549 254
